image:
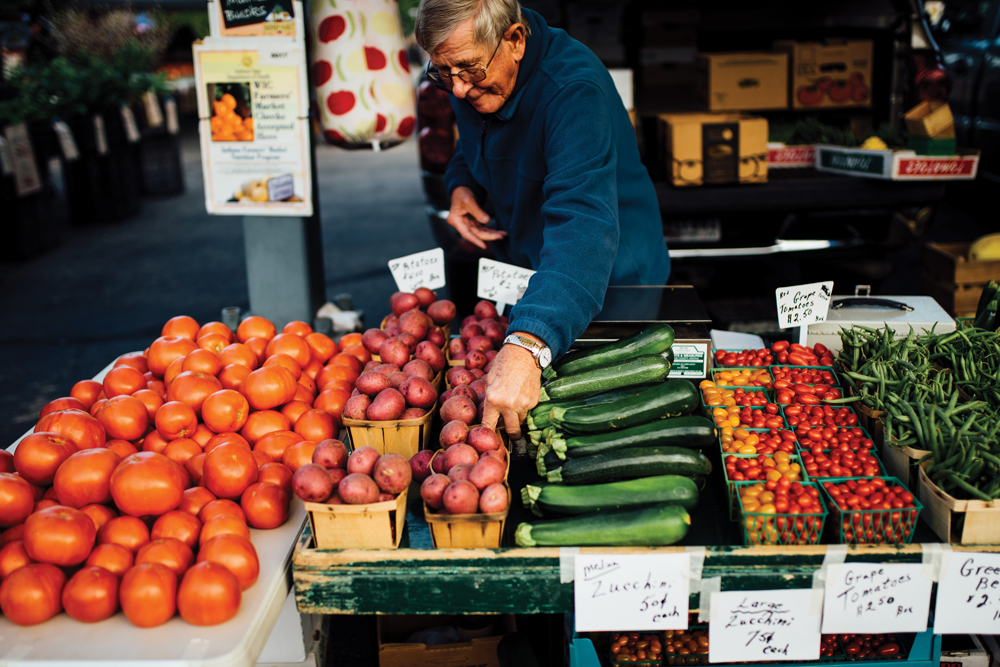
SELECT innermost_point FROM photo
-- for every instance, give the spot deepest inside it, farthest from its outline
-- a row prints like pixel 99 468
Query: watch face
pixel 545 358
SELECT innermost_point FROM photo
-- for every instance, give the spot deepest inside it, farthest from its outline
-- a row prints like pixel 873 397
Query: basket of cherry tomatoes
pixel 879 510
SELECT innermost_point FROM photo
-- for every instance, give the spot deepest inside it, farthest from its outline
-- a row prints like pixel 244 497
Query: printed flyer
pixel 255 18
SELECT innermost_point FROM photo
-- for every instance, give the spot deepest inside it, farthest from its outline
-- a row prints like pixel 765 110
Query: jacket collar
pixel 533 52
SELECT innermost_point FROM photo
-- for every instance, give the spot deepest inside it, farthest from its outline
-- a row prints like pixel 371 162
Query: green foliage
pixel 811 130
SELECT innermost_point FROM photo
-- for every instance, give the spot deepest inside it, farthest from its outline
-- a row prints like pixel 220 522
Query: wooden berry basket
pixel 467 531
pixel 958 521
pixel 506 457
pixel 403 436
pixel 372 526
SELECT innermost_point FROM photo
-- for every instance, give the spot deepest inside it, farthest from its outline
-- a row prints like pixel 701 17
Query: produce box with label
pixel 835 73
pixel 701 148
pixel 897 165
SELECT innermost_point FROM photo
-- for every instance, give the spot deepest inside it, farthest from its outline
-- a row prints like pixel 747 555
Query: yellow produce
pixel 985 248
pixel 873 143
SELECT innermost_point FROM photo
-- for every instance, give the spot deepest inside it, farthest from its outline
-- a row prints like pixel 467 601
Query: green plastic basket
pixel 722 369
pixel 833 371
pixel 689 659
pixel 810 478
pixel 762 528
pixel 641 663
pixel 893 526
pixel 734 503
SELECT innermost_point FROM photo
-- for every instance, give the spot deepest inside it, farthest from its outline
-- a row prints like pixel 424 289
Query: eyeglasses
pixel 472 75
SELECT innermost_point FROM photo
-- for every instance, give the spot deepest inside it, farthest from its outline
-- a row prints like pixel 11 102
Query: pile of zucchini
pixel 619 453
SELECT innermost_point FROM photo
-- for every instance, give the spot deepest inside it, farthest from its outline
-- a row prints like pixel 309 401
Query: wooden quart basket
pixel 467 531
pixel 373 526
pixel 958 521
pixel 404 436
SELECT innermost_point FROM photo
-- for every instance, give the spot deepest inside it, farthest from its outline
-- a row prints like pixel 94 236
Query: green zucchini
pixel 654 339
pixel 547 460
pixel 652 526
pixel 555 499
pixel 630 463
pixel 690 432
pixel 538 417
pixel 639 370
pixel 672 398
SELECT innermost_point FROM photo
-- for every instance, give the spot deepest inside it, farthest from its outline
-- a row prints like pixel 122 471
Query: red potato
pixel 485 322
pixel 470 331
pixel 445 395
pixel 465 390
pixel 420 465
pixel 458 407
pixel 419 393
pixel 479 386
pixel 494 499
pixel 312 483
pixel 455 432
pixel 391 320
pixel 455 345
pixel 495 333
pixel 409 340
pixel 372 339
pixel 371 383
pixel 432 490
pixel 461 498
pixel 415 323
pixel 389 405
pixel 436 336
pixel 479 373
pixel 392 331
pixel 330 454
pixel 371 365
pixel 412 413
pixel 437 463
pixel 459 472
pixel 392 473
pixel 483 439
pixel 357 406
pixel 462 376
pixel 396 380
pixel 457 454
pixel 358 489
pixel 490 355
pixel 442 312
pixel 334 499
pixel 425 296
pixel 481 343
pixel 488 366
pixel 403 302
pixel 385 497
pixel 475 359
pixel 458 356
pixel 469 319
pixel 485 310
pixel 419 368
pixel 486 472
pixel 336 474
pixel 387 369
pixel 363 460
pixel 450 375
pixel 394 351
pixel 498 454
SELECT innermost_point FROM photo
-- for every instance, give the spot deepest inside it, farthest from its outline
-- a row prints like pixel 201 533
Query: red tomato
pixel 85 477
pixel 32 594
pixel 236 553
pixel 17 498
pixel 169 551
pixel 149 594
pixel 148 483
pixel 59 535
pixel 209 594
pixel 91 595
pixel 266 505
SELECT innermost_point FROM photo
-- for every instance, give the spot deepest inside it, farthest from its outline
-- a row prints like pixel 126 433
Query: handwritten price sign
pixel 422 269
pixel 751 626
pixel 801 305
pixel 968 595
pixel 631 592
pixel 872 597
pixel 502 282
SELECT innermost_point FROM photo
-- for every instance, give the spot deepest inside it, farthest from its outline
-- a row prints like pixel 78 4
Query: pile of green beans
pixel 861 344
pixel 973 355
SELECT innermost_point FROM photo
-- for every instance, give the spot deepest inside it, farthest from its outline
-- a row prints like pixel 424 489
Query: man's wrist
pixel 534 346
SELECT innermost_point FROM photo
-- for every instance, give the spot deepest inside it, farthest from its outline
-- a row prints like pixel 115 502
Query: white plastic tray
pixel 115 642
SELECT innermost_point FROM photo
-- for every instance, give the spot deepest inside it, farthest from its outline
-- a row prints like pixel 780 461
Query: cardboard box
pixel 830 74
pixel 932 119
pixel 783 156
pixel 897 165
pixel 393 651
pixel 742 81
pixel 702 148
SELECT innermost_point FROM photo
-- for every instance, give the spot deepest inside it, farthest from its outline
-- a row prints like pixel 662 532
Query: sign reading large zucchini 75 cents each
pixel 421 269
pixel 754 626
pixel 631 592
pixel 501 282
pixel 802 305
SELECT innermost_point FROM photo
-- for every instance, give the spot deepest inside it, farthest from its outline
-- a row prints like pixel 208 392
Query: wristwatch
pixel 540 351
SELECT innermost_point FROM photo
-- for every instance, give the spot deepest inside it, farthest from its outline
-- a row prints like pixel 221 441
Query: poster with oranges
pixel 254 130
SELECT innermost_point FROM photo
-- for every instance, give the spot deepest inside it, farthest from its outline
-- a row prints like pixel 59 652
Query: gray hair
pixel 437 19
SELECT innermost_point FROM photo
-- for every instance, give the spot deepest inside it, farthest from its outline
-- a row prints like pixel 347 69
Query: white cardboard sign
pixel 876 597
pixel 968 595
pixel 636 592
pixel 421 269
pixel 501 282
pixel 753 626
pixel 802 305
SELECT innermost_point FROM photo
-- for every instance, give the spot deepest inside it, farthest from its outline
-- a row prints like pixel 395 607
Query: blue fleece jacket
pixel 559 162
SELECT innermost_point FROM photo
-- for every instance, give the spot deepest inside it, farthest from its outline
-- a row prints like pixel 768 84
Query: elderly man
pixel 544 136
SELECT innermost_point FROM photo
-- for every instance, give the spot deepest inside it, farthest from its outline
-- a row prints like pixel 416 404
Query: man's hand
pixel 512 389
pixel 470 220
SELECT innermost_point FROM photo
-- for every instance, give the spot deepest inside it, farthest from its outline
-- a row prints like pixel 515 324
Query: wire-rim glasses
pixel 471 75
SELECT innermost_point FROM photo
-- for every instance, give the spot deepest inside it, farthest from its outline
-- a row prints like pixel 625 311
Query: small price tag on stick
pixel 631 592
pixel 421 269
pixel 876 597
pixel 968 595
pixel 755 626
pixel 501 282
pixel 802 305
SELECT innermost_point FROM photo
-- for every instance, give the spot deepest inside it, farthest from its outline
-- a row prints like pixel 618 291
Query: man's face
pixel 460 52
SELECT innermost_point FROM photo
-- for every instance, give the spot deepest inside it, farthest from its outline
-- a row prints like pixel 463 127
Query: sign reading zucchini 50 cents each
pixel 254 134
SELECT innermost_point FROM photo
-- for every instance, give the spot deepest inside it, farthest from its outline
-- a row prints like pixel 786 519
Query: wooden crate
pixel 467 531
pixel 958 521
pixel 373 526
pixel 901 463
pixel 403 436
pixel 954 281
